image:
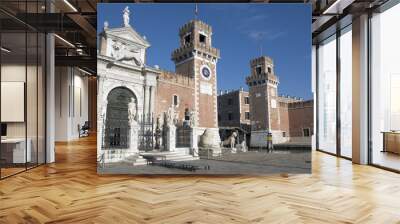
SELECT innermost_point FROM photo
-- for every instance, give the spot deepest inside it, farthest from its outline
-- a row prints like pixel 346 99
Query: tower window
pixel 247 115
pixel 202 38
pixel 187 38
pixel 269 69
pixel 230 116
pixel 246 100
pixel 187 114
pixel 258 70
pixel 306 132
pixel 230 101
pixel 176 100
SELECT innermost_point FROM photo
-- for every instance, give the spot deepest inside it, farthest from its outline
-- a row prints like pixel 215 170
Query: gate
pixel 116 126
pixel 117 134
pixel 146 133
pixel 183 133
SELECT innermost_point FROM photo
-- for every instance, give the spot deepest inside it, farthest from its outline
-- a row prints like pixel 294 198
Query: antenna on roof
pixel 196 11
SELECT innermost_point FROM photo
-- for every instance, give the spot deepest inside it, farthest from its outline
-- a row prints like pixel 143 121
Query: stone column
pixel 146 99
pixel 152 100
pixel 171 138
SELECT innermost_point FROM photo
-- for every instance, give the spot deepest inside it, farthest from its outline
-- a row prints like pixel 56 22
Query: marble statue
pixel 176 117
pixel 171 116
pixel 132 111
pixel 193 122
pixel 126 16
pixel 105 25
pixel 230 141
pixel 243 146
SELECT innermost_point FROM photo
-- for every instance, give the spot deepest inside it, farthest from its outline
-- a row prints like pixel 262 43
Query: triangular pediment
pixel 128 34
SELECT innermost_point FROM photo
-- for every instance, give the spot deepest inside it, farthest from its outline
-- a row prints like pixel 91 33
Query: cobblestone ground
pixel 253 162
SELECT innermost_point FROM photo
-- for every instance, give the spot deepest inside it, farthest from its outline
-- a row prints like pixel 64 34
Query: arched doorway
pixel 117 125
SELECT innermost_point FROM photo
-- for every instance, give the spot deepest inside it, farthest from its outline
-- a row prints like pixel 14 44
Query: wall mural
pixel 152 121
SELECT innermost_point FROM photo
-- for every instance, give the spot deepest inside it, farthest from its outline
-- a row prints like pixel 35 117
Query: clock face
pixel 205 72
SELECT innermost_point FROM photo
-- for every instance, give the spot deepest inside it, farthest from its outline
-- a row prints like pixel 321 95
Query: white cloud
pixel 258 35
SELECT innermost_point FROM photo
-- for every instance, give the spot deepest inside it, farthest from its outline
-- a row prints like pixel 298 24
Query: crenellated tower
pixel 197 58
pixel 263 93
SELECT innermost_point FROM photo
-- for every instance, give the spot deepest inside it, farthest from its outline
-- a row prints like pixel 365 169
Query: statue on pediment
pixel 126 16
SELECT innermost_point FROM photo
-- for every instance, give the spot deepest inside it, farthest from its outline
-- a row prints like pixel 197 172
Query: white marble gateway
pixel 127 89
pixel 122 69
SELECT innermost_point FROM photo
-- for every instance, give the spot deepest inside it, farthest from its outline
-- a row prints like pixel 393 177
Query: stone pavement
pixel 252 162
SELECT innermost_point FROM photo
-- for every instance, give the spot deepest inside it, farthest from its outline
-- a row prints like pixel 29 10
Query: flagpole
pixel 196 11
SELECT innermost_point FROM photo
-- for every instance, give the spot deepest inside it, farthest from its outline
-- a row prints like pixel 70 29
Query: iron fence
pixel 183 133
pixel 146 132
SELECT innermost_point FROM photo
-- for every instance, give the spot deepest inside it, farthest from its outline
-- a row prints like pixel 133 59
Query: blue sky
pixel 283 31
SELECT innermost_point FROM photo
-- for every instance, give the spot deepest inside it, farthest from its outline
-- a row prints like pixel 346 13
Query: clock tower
pixel 197 58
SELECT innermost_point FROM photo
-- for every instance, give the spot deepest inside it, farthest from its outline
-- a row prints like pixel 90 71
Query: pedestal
pixel 133 146
pixel 171 138
pixel 210 140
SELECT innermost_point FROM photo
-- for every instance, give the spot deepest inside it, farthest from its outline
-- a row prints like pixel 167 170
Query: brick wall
pixel 258 108
pixel 225 108
pixel 244 107
pixel 300 117
pixel 170 84
pixel 284 117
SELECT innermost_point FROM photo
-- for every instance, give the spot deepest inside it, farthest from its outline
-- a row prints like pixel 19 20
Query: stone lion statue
pixel 230 141
pixel 121 53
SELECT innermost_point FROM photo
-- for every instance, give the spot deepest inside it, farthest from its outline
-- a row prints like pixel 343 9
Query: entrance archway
pixel 117 124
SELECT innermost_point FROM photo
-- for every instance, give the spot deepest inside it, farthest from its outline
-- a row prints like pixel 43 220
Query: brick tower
pixel 263 93
pixel 198 59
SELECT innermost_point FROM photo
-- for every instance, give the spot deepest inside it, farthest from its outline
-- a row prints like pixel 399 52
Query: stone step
pixel 137 159
pixel 179 152
pixel 179 155
pixel 140 161
pixel 181 158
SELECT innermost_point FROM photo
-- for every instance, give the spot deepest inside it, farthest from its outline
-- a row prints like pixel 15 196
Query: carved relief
pixel 120 52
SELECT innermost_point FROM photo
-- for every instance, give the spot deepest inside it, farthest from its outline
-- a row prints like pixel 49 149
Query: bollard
pixel 270 146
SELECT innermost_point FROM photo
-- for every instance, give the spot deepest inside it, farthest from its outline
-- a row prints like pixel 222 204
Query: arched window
pixel 175 100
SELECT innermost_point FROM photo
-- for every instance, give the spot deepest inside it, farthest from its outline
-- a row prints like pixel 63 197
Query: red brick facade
pixel 170 85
